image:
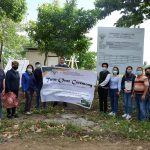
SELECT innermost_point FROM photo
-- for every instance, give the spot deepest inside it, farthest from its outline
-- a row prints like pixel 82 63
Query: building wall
pixel 34 56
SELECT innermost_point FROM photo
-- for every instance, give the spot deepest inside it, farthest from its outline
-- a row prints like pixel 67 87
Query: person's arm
pixel 7 81
pixel 105 82
pixel 146 83
pixel 23 83
pixel 123 83
pixel 119 84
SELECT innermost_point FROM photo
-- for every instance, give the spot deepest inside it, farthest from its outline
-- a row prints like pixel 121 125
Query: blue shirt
pixel 115 82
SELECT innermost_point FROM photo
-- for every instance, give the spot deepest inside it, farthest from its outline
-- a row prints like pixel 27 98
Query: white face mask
pixel 115 72
pixel 38 66
pixel 104 68
pixel 29 70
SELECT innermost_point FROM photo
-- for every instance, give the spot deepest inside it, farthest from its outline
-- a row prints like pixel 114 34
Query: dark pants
pixel 28 102
pixel 103 94
pixel 114 100
pixel 141 107
pixel 12 111
pixel 38 98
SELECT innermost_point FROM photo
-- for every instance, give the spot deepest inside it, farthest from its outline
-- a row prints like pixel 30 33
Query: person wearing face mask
pixel 28 88
pixel 104 77
pixel 39 81
pixel 127 88
pixel 115 88
pixel 12 83
pixel 147 73
pixel 141 85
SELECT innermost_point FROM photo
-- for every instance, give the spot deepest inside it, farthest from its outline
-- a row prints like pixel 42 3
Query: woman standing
pixel 12 85
pixel 127 84
pixel 115 88
pixel 28 87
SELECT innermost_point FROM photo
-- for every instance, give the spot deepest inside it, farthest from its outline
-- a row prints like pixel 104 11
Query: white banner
pixel 68 85
pixel 120 47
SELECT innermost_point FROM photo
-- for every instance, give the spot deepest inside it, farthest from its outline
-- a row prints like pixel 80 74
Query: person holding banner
pixel 115 88
pixel 104 78
pixel 39 82
pixel 28 87
pixel 127 88
pixel 147 72
pixel 61 64
pixel 12 83
pixel 141 85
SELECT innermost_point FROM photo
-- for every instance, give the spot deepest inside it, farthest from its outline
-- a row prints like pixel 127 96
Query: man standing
pixel 147 72
pixel 104 78
pixel 141 85
pixel 12 85
pixel 61 64
pixel 39 82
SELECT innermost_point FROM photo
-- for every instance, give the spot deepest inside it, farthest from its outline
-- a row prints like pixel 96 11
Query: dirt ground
pixel 70 145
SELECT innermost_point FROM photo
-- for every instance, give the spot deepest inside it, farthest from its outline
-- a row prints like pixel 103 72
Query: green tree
pixel 134 12
pixel 87 60
pixel 10 10
pixel 62 29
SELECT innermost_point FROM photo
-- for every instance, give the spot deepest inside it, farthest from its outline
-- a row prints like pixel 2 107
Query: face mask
pixel 115 72
pixel 15 67
pixel 104 68
pixel 147 73
pixel 29 70
pixel 38 66
pixel 129 71
pixel 139 73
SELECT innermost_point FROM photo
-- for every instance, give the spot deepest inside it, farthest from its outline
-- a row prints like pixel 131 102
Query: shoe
pixel 111 113
pixel 124 115
pixel 9 116
pixel 114 114
pixel 15 116
pixel 128 117
pixel 28 113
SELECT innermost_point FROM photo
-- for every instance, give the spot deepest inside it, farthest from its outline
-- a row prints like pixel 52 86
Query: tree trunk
pixel 1 50
pixel 45 60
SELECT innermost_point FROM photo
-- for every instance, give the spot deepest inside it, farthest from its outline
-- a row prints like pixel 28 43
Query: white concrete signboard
pixel 120 47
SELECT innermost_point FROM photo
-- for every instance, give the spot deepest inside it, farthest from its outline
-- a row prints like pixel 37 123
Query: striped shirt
pixel 140 83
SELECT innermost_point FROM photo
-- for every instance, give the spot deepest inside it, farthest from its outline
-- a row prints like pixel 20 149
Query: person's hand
pixel 143 97
pixel 118 93
pixel 23 94
pixel 3 92
pixel 125 90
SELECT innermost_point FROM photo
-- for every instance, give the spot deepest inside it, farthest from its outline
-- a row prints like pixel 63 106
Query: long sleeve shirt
pixel 115 82
pixel 104 83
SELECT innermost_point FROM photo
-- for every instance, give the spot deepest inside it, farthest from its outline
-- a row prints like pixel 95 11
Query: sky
pixel 107 22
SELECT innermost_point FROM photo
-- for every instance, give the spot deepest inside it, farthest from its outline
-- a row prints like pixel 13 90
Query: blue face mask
pixel 139 73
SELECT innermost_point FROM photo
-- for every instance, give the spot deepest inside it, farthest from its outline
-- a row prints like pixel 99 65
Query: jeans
pixel 0 105
pixel 148 107
pixel 141 107
pixel 127 103
pixel 103 94
pixel 114 100
pixel 38 98
pixel 28 102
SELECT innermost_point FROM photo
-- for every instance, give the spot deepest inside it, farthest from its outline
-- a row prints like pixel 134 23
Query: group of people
pixel 134 86
pixel 31 82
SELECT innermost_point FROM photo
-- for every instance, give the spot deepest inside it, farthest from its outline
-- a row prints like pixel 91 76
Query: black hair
pixel 117 69
pixel 105 64
pixel 128 68
pixel 37 63
pixel 147 68
pixel 30 66
pixel 139 68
